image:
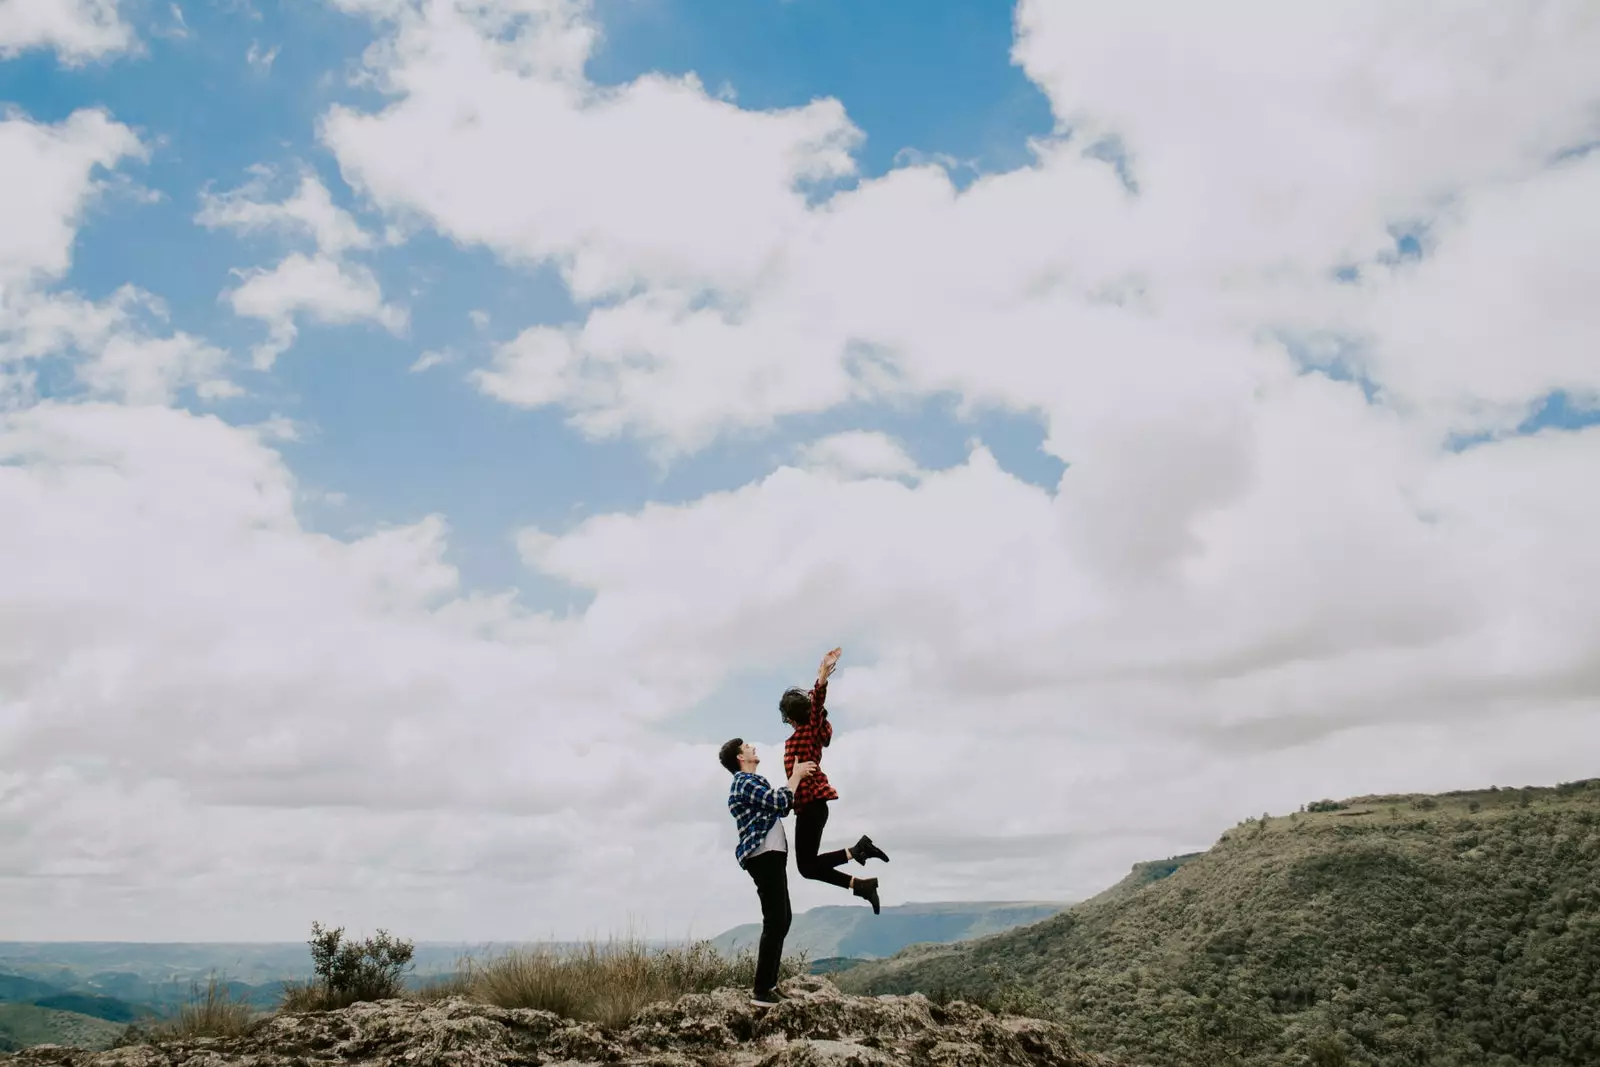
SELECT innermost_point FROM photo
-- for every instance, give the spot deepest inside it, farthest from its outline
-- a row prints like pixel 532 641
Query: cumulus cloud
pixel 654 182
pixel 309 212
pixel 325 287
pixel 50 182
pixel 78 30
pixel 1500 313
pixel 320 287
pixel 54 175
pixel 119 351
pixel 1258 177
pixel 161 647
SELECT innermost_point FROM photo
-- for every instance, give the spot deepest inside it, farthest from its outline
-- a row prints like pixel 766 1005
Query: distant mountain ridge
pixel 834 932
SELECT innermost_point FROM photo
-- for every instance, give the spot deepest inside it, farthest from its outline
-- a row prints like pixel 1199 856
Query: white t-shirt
pixel 776 840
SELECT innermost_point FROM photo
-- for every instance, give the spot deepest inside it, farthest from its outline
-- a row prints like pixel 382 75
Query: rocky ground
pixel 819 1027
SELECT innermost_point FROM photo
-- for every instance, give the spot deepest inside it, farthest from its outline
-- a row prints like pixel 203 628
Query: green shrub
pixel 349 972
pixel 1327 1050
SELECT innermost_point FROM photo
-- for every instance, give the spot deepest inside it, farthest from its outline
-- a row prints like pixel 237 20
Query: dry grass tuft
pixel 442 987
pixel 210 1012
pixel 608 984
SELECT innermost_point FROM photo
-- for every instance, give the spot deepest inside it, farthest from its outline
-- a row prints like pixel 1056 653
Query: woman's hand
pixel 829 662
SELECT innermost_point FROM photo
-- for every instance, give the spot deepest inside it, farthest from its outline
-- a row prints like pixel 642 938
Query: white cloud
pixel 145 370
pixel 51 178
pixel 1347 604
pixel 48 184
pixel 858 453
pixel 653 182
pixel 326 286
pixel 430 359
pixel 259 58
pixel 309 212
pixel 1275 151
pixel 78 30
pixel 117 351
pixel 1502 311
pixel 323 288
pixel 168 577
pixel 179 30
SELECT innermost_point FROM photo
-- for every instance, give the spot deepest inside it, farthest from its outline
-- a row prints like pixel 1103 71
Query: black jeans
pixel 770 870
pixel 809 819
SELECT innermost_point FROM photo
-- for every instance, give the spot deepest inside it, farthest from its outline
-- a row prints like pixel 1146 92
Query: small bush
pixel 1326 805
pixel 349 972
pixel 1425 803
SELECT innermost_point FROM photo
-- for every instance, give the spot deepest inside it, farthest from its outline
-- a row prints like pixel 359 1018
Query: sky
pixel 429 428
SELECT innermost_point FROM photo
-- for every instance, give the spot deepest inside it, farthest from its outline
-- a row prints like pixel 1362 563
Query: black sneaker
pixel 867 889
pixel 865 850
pixel 766 999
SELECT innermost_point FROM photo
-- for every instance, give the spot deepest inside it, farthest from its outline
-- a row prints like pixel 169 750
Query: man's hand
pixel 801 770
pixel 829 662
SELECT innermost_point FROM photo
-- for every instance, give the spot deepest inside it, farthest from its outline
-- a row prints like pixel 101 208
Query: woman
pixel 807 713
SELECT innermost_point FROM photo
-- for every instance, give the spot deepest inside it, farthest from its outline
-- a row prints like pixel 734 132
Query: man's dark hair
pixel 795 704
pixel 728 755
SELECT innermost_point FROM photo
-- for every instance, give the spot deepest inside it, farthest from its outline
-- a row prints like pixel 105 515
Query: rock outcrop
pixel 818 1027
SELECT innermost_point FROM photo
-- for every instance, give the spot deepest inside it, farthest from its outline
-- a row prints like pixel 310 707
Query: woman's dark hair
pixel 795 704
pixel 728 755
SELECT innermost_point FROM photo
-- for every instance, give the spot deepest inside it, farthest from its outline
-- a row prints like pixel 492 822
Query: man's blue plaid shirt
pixel 755 806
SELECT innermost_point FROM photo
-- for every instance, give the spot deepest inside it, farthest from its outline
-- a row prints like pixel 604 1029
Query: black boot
pixel 865 850
pixel 867 889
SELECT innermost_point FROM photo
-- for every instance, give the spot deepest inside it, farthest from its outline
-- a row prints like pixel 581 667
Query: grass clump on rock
pixel 606 984
pixel 211 1011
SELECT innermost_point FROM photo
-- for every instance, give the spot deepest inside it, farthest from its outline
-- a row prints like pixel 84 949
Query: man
pixel 808 714
pixel 763 851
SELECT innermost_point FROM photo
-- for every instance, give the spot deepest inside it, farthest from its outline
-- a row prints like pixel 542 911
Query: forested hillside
pixel 1454 929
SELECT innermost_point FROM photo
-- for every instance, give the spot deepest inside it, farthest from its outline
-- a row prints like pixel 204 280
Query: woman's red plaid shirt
pixel 807 743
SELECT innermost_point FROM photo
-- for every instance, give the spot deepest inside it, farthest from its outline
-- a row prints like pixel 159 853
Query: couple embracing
pixel 758 810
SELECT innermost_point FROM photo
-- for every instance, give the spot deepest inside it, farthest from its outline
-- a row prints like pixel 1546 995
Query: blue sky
pixel 928 78
pixel 1310 339
pixel 923 77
